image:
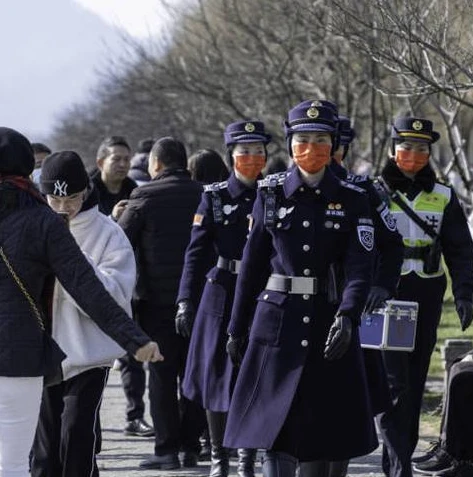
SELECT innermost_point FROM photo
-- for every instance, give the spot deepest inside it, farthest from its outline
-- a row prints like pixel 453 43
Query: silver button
pixel 301 189
pixel 336 226
pixel 306 319
pixel 265 297
pixel 304 343
pixel 306 248
pixel 306 272
pixel 279 225
pixel 305 297
pixel 317 191
pixel 226 222
pixel 306 223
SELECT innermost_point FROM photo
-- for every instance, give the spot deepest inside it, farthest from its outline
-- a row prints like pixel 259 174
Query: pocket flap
pixel 270 296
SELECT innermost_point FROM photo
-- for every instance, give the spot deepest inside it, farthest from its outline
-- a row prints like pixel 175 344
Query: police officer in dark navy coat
pixel 389 251
pixel 301 392
pixel 221 226
pixel 409 178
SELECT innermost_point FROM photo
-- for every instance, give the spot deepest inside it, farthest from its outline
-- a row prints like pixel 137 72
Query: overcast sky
pixel 53 50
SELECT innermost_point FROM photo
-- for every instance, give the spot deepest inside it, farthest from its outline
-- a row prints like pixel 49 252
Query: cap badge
pixel 417 125
pixel 316 103
pixel 60 188
pixel 312 112
pixel 249 127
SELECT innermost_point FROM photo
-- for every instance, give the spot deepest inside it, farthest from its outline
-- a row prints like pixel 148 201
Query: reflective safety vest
pixel 430 207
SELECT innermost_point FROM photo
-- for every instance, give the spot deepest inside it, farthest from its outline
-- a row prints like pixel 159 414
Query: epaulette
pixel 273 180
pixel 354 187
pixel 216 186
pixel 356 179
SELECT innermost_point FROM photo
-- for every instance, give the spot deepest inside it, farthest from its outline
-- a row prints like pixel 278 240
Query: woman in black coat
pixel 36 246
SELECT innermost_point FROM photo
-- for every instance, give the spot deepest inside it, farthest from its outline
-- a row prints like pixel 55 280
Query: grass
pixel 449 328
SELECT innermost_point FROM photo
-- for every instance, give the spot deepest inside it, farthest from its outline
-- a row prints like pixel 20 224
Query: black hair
pixel 170 152
pixel 39 147
pixel 111 141
pixel 207 166
pixel 145 145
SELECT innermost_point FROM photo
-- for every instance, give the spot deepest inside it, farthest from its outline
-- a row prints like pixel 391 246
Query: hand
pixel 118 209
pixel 339 338
pixel 236 347
pixel 185 318
pixel 376 298
pixel 149 352
pixel 465 312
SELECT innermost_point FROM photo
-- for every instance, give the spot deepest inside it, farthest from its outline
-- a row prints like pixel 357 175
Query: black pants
pixel 134 385
pixel 66 439
pixel 178 422
pixel 457 430
pixel 407 373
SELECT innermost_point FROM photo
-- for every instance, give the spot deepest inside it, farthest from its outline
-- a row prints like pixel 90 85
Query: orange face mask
pixel 311 156
pixel 411 161
pixel 250 165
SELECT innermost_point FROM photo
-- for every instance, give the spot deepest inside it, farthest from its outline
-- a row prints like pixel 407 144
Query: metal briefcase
pixel 390 328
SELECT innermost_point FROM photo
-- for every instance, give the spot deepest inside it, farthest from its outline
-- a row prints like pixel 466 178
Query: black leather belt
pixel 232 266
pixel 293 285
pixel 416 253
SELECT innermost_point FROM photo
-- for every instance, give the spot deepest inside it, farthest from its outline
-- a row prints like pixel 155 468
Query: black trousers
pixel 407 373
pixel 178 422
pixel 457 428
pixel 134 385
pixel 66 440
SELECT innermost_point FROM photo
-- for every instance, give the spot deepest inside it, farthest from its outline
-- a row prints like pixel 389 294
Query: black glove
pixel 236 347
pixel 339 338
pixel 376 298
pixel 185 318
pixel 465 312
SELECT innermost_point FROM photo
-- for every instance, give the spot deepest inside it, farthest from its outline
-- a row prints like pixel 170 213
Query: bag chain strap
pixel 23 289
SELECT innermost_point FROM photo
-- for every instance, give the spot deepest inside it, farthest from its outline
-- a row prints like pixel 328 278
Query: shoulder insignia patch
pixel 366 236
pixel 273 180
pixel 354 187
pixel 388 219
pixel 216 186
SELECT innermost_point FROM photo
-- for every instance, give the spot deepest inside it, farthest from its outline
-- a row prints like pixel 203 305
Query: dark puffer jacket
pixel 38 244
pixel 158 222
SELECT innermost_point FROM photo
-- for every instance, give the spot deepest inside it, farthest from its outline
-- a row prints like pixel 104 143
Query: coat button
pixel 305 297
pixel 304 343
pixel 317 191
pixel 306 223
pixel 279 225
pixel 225 222
pixel 306 272
pixel 306 248
pixel 336 226
pixel 306 319
pixel 265 297
pixel 301 189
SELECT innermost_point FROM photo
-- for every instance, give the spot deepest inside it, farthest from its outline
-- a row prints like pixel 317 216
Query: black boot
pixel 279 464
pixel 246 462
pixel 316 468
pixel 338 468
pixel 219 455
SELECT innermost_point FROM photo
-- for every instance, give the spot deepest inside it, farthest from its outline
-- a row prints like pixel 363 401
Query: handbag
pixel 53 354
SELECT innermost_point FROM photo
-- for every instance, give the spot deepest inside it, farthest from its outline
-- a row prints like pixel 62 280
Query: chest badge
pixel 335 210
pixel 283 211
pixel 228 209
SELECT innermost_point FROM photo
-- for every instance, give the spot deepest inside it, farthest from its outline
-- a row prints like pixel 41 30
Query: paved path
pixel 121 454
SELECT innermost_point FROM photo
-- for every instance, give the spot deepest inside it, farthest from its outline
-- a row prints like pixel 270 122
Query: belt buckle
pixel 303 285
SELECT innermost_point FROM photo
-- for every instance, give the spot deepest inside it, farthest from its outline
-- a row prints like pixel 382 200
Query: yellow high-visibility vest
pixel 430 207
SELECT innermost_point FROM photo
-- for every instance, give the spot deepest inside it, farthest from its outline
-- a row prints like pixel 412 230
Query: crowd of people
pixel 242 281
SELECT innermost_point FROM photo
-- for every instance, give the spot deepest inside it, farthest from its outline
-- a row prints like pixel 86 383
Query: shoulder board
pixel 273 180
pixel 216 186
pixel 354 178
pixel 348 185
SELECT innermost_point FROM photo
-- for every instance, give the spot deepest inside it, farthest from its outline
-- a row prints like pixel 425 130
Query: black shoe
pixel 219 463
pixel 428 454
pixel 139 428
pixel 204 452
pixel 190 459
pixel 458 469
pixel 161 462
pixel 246 462
pixel 440 461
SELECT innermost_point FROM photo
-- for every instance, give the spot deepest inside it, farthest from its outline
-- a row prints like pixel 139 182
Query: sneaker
pixel 161 462
pixel 138 428
pixel 440 461
pixel 428 454
pixel 458 469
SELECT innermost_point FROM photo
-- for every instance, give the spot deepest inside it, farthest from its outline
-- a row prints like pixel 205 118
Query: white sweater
pixel 106 246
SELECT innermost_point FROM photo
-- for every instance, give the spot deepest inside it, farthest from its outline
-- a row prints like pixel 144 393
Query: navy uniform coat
pixel 209 373
pixel 287 396
pixel 389 255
